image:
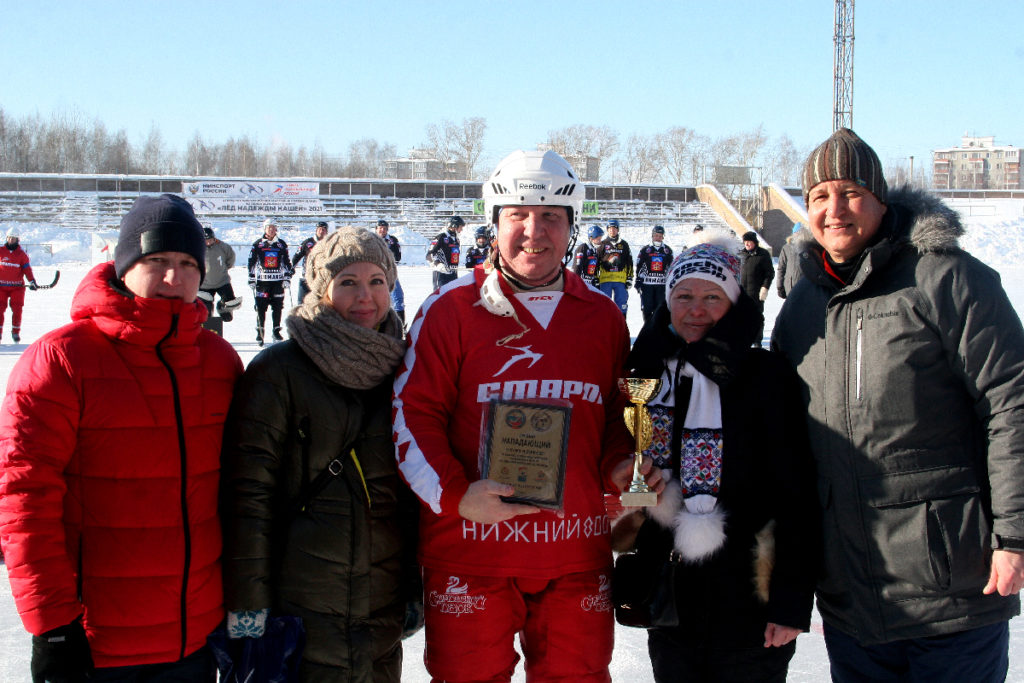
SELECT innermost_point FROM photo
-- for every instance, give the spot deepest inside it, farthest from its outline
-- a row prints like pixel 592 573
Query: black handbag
pixel 644 580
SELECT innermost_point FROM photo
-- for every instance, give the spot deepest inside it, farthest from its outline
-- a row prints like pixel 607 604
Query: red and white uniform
pixel 452 369
pixel 14 270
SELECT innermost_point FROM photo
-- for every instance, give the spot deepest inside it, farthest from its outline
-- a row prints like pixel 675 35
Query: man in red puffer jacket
pixel 110 438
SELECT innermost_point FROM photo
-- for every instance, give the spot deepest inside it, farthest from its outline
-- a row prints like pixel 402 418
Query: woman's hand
pixel 482 503
pixel 776 635
pixel 622 475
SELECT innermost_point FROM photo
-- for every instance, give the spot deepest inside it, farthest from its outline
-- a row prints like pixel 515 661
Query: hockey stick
pixel 56 276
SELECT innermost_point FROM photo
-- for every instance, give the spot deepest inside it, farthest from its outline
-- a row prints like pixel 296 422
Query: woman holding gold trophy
pixel 736 526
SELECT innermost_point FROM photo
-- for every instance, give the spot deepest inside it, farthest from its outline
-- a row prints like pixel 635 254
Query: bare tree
pixel 366 158
pixel 282 163
pixel 117 157
pixel 452 143
pixel 642 161
pixel 303 166
pixel 784 162
pixel 152 158
pixel 600 142
pixel 677 147
pixel 197 161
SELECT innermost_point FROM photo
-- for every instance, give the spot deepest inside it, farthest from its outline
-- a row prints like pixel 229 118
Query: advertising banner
pixel 261 198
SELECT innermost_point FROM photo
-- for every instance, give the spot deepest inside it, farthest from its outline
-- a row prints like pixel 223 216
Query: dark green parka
pixel 346 563
pixel 913 380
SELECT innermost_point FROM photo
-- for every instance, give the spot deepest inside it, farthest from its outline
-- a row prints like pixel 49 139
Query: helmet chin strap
pixel 495 301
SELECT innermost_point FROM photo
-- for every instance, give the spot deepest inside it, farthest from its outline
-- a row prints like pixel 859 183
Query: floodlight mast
pixel 842 68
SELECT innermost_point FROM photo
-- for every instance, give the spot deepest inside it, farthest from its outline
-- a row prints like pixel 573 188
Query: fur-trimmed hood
pixel 915 218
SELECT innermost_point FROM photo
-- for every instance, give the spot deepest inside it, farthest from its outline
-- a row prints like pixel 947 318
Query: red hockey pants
pixel 16 295
pixel 565 627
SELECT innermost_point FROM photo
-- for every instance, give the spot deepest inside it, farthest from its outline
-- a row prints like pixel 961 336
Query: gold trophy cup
pixel 639 391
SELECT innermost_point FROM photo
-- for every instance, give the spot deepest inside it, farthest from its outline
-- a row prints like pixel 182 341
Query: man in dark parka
pixel 912 360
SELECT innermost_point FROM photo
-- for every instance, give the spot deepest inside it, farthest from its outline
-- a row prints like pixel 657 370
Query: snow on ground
pixel 994 234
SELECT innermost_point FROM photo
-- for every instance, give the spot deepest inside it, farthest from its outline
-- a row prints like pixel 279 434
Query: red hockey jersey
pixel 14 264
pixel 454 367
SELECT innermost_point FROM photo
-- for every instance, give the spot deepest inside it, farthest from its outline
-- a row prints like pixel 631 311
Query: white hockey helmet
pixel 534 179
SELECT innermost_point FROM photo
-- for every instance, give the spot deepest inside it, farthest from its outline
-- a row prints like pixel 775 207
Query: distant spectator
pixel 397 295
pixel 788 271
pixel 758 273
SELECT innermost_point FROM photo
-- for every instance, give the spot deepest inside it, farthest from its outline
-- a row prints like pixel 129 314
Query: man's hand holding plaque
pixel 483 503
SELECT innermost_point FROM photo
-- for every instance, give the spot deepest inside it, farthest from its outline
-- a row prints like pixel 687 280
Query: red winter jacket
pixel 110 437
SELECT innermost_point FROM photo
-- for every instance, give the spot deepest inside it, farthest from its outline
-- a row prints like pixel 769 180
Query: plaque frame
pixel 499 461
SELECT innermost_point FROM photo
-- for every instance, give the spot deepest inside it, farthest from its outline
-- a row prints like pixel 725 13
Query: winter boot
pixel 259 336
pixel 15 336
pixel 277 334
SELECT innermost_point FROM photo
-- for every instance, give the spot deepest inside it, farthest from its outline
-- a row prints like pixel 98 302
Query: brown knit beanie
pixel 844 156
pixel 343 247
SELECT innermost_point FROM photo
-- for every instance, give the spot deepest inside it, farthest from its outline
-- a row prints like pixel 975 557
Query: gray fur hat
pixel 343 247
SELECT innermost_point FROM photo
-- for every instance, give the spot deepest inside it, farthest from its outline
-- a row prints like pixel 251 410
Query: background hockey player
pixel 270 272
pixel 616 275
pixel 220 259
pixel 303 252
pixel 444 251
pixel 494 569
pixel 477 254
pixel 397 295
pixel 651 265
pixel 585 262
pixel 14 270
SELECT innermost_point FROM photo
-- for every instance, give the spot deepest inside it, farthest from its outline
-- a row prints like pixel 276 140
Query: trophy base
pixel 638 499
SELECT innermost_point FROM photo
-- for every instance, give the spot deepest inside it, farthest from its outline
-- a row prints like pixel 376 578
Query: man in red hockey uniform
pixel 507 332
pixel 14 268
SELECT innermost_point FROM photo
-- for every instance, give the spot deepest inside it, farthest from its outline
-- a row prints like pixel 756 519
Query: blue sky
pixel 925 72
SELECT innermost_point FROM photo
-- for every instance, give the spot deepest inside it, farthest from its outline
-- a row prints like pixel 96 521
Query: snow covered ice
pixel 995 235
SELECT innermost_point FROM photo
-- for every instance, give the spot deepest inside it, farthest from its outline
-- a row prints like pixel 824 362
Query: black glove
pixel 62 655
pixel 32 285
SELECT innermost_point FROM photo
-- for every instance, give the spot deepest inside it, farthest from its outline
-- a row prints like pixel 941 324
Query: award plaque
pixel 524 445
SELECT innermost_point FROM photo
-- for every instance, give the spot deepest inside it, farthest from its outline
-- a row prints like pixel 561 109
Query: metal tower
pixel 842 68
